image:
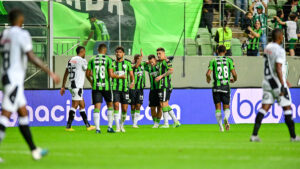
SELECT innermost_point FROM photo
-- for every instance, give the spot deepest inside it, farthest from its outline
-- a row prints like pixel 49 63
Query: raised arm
pixel 265 6
pixel 251 8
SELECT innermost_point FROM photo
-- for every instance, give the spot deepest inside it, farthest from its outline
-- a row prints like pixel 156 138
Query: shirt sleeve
pixel 280 57
pixel 210 66
pixel 25 42
pixel 129 66
pixel 84 64
pixel 110 63
pixel 231 64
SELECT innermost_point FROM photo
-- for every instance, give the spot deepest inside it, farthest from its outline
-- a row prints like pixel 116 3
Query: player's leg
pixel 158 114
pixel 123 116
pixel 108 96
pixel 132 112
pixel 226 110
pixel 285 101
pixel 4 121
pixel 132 97
pixel 37 153
pixel 217 101
pixel 165 107
pixel 154 115
pixel 72 112
pixel 153 103
pixel 267 101
pixel 170 111
pixel 84 117
pixel 136 115
pixel 97 101
pixel 116 103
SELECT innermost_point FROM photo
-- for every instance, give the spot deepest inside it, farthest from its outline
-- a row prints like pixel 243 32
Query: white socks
pixel 136 118
pixel 165 114
pixel 110 118
pixel 97 120
pixel 171 113
pixel 117 120
pixel 227 113
pixel 219 119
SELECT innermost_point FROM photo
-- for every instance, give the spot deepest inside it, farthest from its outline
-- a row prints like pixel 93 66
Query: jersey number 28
pixel 222 75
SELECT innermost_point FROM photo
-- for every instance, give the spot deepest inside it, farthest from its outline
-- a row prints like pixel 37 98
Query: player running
pixel 275 86
pixel 136 94
pixel 76 68
pixel 15 50
pixel 165 87
pixel 121 67
pixel 222 67
pixel 156 110
pixel 99 73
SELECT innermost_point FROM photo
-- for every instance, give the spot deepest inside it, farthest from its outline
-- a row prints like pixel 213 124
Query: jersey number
pixel 5 56
pixel 267 67
pixel 102 71
pixel 72 72
pixel 222 75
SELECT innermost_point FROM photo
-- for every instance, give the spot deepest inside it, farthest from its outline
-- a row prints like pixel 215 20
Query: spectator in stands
pixel 262 17
pixel 259 3
pixel 292 35
pixel 247 23
pixel 280 15
pixel 253 38
pixel 243 4
pixel 288 7
pixel 223 37
pixel 99 33
pixel 207 15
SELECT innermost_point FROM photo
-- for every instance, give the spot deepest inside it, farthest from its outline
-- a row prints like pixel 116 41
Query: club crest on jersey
pixel 124 66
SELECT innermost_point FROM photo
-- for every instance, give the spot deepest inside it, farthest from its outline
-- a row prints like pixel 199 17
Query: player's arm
pixel 251 8
pixel 234 74
pixel 114 76
pixel 169 72
pixel 37 62
pixel 208 78
pixel 88 75
pixel 90 37
pixel 253 33
pixel 265 6
pixel 139 61
pixel 62 90
pixel 279 20
pixel 131 79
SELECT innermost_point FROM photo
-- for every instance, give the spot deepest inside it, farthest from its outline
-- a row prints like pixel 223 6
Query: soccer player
pixel 136 94
pixel 76 68
pixel 156 110
pixel 165 87
pixel 222 67
pixel 275 86
pixel 99 73
pixel 15 50
pixel 121 67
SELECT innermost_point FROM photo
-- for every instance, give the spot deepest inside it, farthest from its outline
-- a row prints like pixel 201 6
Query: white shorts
pixel 13 97
pixel 269 97
pixel 77 93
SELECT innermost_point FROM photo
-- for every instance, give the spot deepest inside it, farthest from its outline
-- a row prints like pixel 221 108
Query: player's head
pixel 16 17
pixel 249 15
pixel 257 24
pixel 92 18
pixel 295 2
pixel 120 52
pixel 80 50
pixel 161 53
pixel 293 17
pixel 259 9
pixel 277 36
pixel 221 50
pixel 152 60
pixel 102 48
pixel 136 58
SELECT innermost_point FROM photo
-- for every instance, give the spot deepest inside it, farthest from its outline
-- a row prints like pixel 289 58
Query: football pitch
pixel 190 146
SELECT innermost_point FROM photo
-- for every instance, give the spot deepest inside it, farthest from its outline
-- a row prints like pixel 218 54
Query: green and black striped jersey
pixel 153 73
pixel 99 66
pixel 121 68
pixel 139 76
pixel 221 67
pixel 163 67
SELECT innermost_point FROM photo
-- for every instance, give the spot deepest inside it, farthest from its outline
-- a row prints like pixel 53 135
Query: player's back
pixel 221 67
pixel 15 43
pixel 77 67
pixel 273 54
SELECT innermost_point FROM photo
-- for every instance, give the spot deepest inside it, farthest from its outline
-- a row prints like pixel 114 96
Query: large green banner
pixel 135 24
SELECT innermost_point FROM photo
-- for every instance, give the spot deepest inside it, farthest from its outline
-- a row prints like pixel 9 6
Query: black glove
pixel 284 90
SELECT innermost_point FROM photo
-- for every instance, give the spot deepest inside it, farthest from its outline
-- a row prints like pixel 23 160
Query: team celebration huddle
pixel 120 82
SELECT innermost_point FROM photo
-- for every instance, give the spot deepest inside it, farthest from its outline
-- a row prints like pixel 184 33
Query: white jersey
pixel 76 67
pixel 273 54
pixel 15 43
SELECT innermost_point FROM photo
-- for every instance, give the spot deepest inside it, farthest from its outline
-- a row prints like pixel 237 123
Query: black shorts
pixel 97 96
pixel 153 98
pixel 121 97
pixel 136 97
pixel 164 94
pixel 221 95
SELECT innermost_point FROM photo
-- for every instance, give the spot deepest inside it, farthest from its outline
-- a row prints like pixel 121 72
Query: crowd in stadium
pixel 256 19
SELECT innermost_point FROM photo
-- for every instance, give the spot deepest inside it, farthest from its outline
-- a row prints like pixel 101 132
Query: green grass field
pixel 187 147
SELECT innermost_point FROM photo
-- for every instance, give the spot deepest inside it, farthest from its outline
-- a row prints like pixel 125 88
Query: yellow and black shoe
pixel 90 128
pixel 69 129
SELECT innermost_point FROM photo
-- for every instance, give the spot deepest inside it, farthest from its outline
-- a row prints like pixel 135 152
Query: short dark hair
pixel 160 49
pixel 136 57
pixel 102 46
pixel 14 15
pixel 120 48
pixel 293 16
pixel 275 34
pixel 221 49
pixel 279 12
pixel 247 13
pixel 151 57
pixel 78 49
